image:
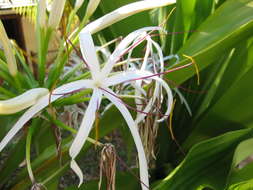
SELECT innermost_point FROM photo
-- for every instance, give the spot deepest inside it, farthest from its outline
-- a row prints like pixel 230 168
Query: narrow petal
pixel 121 48
pixel 89 53
pixel 134 131
pixel 144 66
pixel 84 130
pixel 42 103
pixel 124 12
pixel 147 109
pixel 22 101
pixel 126 77
pixel 138 75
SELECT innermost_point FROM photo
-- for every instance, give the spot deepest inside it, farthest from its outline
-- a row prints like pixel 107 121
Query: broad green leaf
pixel 206 164
pixel 247 185
pixel 231 23
pixel 124 181
pixel 243 151
pixel 231 112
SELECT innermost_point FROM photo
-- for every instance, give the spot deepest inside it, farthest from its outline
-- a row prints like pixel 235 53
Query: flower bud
pixel 22 101
pixel 56 13
pixel 10 58
pixel 78 4
pixel 92 6
pixel 42 13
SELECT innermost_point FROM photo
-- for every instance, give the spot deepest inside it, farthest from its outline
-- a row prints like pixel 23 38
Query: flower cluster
pixel 102 81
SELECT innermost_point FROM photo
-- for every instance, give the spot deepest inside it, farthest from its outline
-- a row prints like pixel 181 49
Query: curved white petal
pixel 147 109
pixel 124 12
pixel 22 101
pixel 84 130
pixel 42 103
pixel 126 77
pixel 132 126
pixel 157 91
pixel 139 75
pixel 121 48
pixel 89 53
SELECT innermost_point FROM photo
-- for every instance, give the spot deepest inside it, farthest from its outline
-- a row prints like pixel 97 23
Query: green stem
pixel 28 154
pixel 6 92
pixel 44 39
pixel 62 57
pixel 70 129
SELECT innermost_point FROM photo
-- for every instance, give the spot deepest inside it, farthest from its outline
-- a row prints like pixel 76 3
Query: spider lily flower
pixel 101 82
pixel 10 58
pixel 153 66
pixel 56 13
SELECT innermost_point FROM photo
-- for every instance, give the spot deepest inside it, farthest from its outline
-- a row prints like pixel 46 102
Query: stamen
pixel 78 53
pixel 71 92
pixel 132 108
pixel 135 44
pixel 195 66
pixel 171 130
pixel 185 89
pixel 161 73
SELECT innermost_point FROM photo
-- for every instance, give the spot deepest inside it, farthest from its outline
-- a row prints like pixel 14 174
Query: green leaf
pixel 231 112
pixel 226 27
pixel 206 164
pixel 243 151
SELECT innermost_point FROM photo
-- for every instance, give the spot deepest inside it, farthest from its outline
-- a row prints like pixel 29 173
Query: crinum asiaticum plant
pixel 101 81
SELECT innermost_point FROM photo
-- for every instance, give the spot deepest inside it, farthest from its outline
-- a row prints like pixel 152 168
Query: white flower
pixel 100 82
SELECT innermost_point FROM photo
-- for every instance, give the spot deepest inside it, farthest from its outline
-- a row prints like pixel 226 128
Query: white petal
pixel 42 103
pixel 124 12
pixel 141 154
pixel 22 101
pixel 125 77
pixel 89 53
pixel 84 130
pixel 138 75
pixel 74 166
pixel 148 107
pixel 121 48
